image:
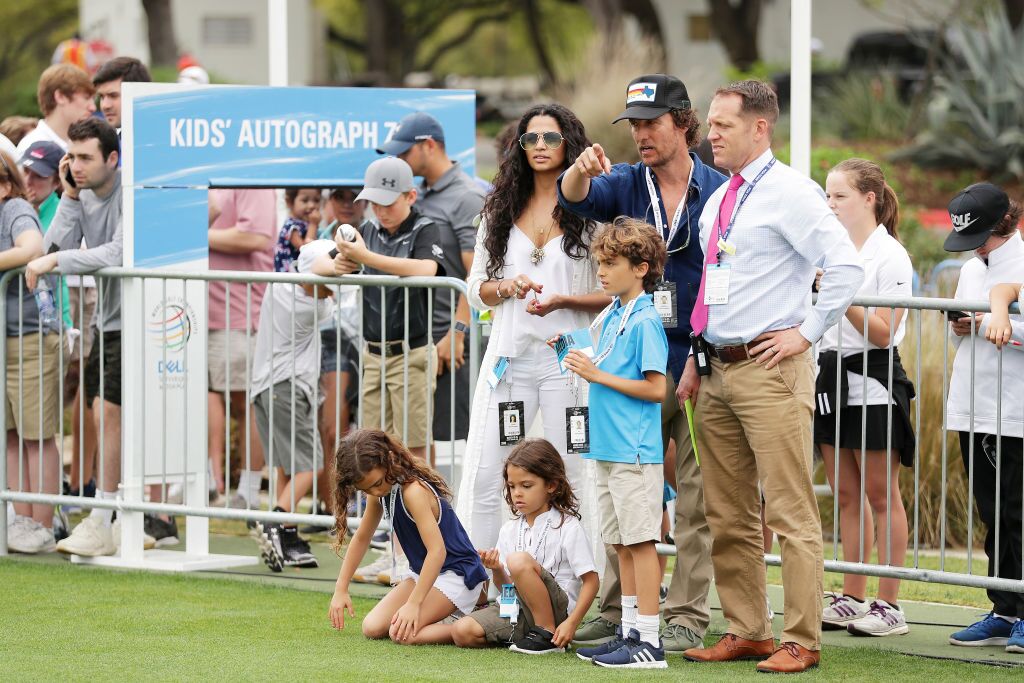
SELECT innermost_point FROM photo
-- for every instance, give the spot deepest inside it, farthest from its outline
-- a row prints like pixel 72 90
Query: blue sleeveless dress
pixel 461 557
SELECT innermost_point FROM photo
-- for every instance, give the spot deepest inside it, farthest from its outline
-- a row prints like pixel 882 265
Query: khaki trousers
pixel 755 425
pixel 687 602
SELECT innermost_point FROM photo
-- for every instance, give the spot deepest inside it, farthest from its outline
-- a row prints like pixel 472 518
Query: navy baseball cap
pixel 415 127
pixel 650 96
pixel 975 212
pixel 43 158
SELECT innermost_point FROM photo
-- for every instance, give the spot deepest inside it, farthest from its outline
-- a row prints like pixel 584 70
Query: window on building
pixel 227 31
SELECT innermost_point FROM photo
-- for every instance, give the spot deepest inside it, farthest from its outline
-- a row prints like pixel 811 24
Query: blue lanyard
pixel 736 212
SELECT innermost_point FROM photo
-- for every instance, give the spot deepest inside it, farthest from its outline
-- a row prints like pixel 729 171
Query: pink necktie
pixel 699 316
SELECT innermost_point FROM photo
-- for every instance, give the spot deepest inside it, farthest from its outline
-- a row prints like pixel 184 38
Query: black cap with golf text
pixel 975 212
pixel 648 97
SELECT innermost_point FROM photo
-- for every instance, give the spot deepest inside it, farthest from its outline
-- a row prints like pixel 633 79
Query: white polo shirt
pixel 565 552
pixel 887 272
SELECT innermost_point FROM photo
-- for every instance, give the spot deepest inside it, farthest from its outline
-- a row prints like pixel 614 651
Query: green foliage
pixel 29 33
pixel 862 106
pixel 975 118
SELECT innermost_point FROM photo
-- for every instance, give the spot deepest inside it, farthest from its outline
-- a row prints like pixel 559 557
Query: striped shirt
pixel 781 233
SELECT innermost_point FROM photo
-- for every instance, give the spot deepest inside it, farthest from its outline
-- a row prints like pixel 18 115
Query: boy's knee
pixel 467 632
pixel 520 562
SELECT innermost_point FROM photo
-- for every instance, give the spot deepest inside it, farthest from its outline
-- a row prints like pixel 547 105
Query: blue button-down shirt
pixel 623 192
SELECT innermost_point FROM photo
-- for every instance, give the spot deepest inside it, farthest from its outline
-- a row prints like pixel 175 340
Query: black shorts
pixel 111 346
pixel 443 402
pixel 874 436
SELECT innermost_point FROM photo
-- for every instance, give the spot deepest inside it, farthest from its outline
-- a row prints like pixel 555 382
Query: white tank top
pixel 555 273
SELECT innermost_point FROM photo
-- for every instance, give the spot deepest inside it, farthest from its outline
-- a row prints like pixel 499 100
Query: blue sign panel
pixel 276 137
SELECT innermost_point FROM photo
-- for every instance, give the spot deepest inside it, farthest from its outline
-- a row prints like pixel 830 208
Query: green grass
pixel 73 623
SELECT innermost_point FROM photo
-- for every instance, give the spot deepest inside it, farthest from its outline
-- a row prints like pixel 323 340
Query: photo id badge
pixel 577 429
pixel 665 304
pixel 716 284
pixel 497 372
pixel 508 603
pixel 510 422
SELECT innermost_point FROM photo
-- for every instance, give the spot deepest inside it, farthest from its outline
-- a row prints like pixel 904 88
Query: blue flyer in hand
pixel 578 339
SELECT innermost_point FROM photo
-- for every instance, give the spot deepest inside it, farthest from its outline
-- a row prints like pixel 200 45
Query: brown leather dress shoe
pixel 731 648
pixel 790 658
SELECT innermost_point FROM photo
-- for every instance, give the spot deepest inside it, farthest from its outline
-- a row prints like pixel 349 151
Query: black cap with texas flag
pixel 648 97
pixel 975 212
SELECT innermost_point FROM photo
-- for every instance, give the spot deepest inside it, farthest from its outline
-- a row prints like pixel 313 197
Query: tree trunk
pixel 163 48
pixel 736 25
pixel 390 48
pixel 534 21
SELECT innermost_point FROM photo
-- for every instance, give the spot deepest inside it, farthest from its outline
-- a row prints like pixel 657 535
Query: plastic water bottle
pixel 44 300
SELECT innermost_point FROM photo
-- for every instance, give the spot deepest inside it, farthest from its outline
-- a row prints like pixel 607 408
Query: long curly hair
pixel 363 450
pixel 541 459
pixel 513 187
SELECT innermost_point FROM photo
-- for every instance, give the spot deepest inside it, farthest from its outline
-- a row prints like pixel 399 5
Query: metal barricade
pixel 171 330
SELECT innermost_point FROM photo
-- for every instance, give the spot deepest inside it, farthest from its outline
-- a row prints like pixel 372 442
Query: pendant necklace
pixel 537 255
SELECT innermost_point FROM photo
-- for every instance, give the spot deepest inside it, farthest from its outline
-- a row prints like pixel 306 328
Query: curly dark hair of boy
pixel 358 454
pixel 541 459
pixel 513 187
pixel 638 242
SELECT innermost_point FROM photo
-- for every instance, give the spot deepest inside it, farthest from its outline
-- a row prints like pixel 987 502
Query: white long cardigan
pixel 584 281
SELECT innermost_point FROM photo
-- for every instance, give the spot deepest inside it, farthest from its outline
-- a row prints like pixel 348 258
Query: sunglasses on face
pixel 552 140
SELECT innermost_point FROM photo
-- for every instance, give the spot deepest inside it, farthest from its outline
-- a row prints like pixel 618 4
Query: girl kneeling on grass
pixel 544 552
pixel 446 575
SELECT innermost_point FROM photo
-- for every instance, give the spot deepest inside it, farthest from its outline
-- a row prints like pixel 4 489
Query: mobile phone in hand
pixel 955 316
pixel 70 178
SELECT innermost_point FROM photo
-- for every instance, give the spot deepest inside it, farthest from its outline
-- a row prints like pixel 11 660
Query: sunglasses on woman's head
pixel 552 140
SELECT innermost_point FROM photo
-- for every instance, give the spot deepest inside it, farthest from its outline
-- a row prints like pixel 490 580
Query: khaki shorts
pixel 420 387
pixel 500 631
pixel 629 497
pixel 216 351
pixel 24 391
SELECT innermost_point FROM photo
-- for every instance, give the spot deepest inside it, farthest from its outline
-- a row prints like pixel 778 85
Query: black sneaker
pixel 537 641
pixel 295 550
pixel 269 538
pixel 165 533
pixel 318 509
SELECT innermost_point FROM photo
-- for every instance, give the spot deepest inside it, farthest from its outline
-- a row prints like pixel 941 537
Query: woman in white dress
pixel 533 270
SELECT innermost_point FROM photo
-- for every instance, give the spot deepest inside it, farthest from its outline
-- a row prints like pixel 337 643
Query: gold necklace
pixel 537 255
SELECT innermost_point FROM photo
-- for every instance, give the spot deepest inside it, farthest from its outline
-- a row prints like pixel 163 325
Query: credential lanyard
pixel 599 320
pixel 743 200
pixel 656 205
pixel 538 546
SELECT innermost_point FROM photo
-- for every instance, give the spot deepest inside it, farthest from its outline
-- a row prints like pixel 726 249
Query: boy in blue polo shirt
pixel 627 385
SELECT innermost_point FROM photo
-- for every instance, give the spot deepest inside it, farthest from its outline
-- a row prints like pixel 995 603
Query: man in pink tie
pixel 764 233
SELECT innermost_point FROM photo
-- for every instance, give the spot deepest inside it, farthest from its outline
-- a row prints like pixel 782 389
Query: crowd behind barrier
pixel 368 324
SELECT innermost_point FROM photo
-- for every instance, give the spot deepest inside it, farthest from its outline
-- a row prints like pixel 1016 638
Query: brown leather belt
pixel 737 352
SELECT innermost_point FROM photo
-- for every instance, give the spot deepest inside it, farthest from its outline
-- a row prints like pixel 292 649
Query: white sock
pixel 628 614
pixel 1012 620
pixel 104 515
pixel 249 486
pixel 211 483
pixel 647 625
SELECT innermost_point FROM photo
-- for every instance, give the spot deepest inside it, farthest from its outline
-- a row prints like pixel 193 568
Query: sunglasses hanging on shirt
pixel 552 140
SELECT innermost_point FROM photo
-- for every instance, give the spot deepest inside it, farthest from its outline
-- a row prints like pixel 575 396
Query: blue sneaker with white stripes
pixel 588 653
pixel 1016 641
pixel 634 654
pixel 989 631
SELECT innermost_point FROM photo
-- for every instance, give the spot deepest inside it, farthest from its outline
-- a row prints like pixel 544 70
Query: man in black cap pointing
pixel 667 189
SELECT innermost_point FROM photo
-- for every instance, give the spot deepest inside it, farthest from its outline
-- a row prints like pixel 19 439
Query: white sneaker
pixel 47 544
pixel 841 611
pixel 370 572
pixel 89 539
pixel 882 619
pixel 401 569
pixel 148 542
pixel 22 536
